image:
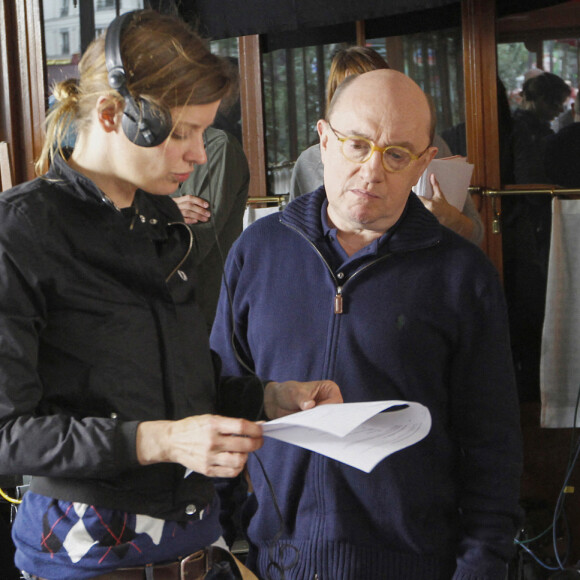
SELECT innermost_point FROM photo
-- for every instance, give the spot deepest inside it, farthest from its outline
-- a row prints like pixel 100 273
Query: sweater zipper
pixel 338 302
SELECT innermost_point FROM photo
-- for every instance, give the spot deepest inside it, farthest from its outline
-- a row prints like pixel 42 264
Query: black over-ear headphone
pixel 144 124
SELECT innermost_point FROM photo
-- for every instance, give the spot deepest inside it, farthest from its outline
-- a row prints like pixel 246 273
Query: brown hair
pixel 351 61
pixel 547 86
pixel 165 61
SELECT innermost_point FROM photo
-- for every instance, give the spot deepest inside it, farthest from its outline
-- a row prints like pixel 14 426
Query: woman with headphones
pixel 109 394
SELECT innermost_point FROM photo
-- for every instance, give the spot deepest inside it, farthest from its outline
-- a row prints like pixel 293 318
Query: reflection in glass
pixel 62 32
pixel 537 101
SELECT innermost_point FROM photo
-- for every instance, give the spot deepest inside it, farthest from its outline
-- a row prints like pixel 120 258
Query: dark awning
pixel 224 18
pixel 281 20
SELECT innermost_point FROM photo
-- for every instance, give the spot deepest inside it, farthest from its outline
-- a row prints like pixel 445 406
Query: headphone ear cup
pixel 145 125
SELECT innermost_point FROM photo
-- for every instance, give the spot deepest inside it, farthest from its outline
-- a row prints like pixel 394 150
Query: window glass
pixel 537 149
pixel 227 47
pixel 434 60
pixel 294 99
pixel 62 32
pixel 229 115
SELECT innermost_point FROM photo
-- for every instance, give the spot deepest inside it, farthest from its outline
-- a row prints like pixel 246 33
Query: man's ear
pixel 322 134
pixel 422 163
pixel 108 113
pixel 428 156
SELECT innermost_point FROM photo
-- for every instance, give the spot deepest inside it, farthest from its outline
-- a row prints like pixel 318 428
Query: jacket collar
pixel 153 210
pixel 73 182
pixel 417 228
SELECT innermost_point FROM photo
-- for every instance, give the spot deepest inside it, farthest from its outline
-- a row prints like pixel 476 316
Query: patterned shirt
pixel 64 540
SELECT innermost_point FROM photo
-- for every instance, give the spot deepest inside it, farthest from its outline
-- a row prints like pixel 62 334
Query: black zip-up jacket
pixel 99 330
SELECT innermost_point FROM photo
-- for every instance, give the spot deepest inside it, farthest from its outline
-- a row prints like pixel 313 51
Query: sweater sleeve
pixel 241 391
pixel 233 349
pixel 485 421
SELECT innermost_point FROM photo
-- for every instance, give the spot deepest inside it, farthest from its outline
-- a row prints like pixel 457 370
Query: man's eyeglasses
pixel 360 150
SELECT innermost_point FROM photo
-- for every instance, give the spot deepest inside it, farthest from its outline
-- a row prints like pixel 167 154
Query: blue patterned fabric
pixel 72 541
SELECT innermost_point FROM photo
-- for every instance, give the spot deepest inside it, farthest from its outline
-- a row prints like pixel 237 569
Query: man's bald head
pixel 398 93
pixel 388 111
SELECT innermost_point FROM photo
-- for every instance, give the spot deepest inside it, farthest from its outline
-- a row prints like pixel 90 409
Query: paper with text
pixel 358 434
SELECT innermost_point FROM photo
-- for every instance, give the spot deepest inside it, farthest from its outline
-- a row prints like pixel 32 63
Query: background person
pixel 307 174
pixel 108 388
pixel 562 151
pixel 213 200
pixel 543 98
pixel 527 226
pixel 393 306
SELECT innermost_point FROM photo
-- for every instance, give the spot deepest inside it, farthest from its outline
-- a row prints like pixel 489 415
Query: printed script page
pixel 358 434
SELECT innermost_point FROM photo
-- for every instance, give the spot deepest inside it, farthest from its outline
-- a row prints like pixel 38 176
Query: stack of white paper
pixel 358 434
pixel 454 177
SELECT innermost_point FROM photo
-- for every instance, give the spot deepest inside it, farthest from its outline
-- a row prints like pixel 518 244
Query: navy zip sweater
pixel 423 319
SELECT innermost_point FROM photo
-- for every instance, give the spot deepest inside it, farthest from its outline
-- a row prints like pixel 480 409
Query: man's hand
pixel 193 209
pixel 281 399
pixel 209 444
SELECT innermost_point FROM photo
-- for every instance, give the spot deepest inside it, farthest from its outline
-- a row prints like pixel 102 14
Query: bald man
pixel 359 282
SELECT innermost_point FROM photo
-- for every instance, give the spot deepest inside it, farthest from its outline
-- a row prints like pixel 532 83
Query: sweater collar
pixel 417 228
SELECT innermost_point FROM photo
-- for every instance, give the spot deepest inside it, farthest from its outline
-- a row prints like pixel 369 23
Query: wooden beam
pixel 253 112
pixel 23 83
pixel 481 112
pixel 361 38
pixel 395 52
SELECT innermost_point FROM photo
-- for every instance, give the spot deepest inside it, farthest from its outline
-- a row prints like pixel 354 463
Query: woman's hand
pixel 209 444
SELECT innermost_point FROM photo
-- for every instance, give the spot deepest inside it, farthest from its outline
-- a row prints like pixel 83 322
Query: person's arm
pixel 219 446
pixel 307 173
pixel 47 443
pixel 63 445
pixel 467 223
pixel 471 213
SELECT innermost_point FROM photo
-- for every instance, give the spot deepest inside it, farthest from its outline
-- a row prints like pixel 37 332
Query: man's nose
pixel 373 169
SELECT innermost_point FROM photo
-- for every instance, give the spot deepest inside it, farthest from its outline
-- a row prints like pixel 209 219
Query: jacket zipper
pixel 338 297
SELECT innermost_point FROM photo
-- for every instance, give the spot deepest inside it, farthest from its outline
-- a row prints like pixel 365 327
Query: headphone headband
pixel 144 124
pixel 114 60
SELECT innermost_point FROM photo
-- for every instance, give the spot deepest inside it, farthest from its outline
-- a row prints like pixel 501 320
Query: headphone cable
pixel 272 563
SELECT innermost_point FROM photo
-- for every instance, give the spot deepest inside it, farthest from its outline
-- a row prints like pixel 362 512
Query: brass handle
pixel 493 194
pixel 277 199
pixel 485 191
